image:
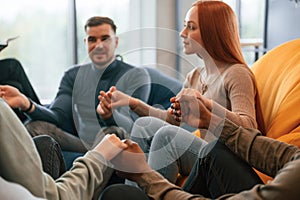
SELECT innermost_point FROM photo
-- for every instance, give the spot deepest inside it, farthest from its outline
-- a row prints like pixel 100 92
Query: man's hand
pixel 114 99
pixel 13 97
pixel 104 107
pixel 110 146
pixel 131 163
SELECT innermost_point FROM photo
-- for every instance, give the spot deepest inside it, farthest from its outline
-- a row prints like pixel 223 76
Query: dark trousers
pixel 12 73
pixel 51 155
pixel 220 172
pixel 217 173
pixel 122 191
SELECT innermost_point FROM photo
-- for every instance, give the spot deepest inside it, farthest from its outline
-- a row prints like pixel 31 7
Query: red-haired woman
pixel 224 84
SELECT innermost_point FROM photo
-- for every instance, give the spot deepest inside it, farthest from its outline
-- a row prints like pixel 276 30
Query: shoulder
pixel 194 73
pixel 238 70
pixel 73 70
pixel 238 75
pixel 193 76
pixel 129 69
pixel 71 73
pixel 124 65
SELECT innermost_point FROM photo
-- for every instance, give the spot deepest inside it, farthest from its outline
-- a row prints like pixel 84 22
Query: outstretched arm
pixel 114 98
pixel 18 147
pixel 271 156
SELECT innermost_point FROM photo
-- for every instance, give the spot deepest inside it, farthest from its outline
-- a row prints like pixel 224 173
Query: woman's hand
pixel 194 111
pixel 175 110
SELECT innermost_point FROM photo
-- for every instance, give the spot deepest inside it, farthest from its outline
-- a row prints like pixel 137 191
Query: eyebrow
pixel 190 22
pixel 100 36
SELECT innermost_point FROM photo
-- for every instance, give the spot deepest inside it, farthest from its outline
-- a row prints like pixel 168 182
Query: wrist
pixel 133 103
pixel 28 105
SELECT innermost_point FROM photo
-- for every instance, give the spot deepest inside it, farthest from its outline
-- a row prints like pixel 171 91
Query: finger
pixel 102 109
pixel 128 142
pixel 109 95
pixel 105 108
pixel 172 106
pixel 178 119
pixel 176 113
pixel 106 102
pixel 173 99
pixel 112 89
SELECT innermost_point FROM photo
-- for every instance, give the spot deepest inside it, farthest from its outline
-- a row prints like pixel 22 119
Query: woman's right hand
pixel 194 111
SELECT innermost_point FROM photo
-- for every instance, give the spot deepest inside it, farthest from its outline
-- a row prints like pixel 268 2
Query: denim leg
pixel 144 129
pixel 174 150
pixel 51 155
pixel 220 172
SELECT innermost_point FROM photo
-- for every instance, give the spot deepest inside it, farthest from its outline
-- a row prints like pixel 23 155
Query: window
pixel 45 44
pixel 251 16
pixel 42 47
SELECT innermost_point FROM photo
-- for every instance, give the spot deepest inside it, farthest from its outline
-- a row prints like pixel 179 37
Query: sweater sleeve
pixel 80 182
pixel 271 156
pixel 21 164
pixel 60 110
pixel 240 90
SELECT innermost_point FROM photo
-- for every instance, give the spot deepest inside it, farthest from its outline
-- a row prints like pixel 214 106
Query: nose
pixel 183 33
pixel 99 43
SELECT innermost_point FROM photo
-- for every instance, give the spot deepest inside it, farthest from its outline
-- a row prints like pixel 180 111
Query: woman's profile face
pixel 192 41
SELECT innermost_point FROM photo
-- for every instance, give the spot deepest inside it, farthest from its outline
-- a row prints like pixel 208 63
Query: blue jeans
pixel 170 149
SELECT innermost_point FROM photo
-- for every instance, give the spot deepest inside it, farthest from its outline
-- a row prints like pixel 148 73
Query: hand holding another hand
pixel 114 99
pixel 104 107
pixel 194 111
pixel 131 163
pixel 110 146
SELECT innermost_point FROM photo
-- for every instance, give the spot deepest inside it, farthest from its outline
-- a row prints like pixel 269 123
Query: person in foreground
pixel 246 148
pixel 275 158
pixel 21 171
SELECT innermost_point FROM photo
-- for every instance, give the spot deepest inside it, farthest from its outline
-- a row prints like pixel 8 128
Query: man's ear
pixel 117 41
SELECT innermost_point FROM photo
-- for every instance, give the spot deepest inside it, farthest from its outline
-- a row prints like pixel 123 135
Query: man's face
pixel 101 42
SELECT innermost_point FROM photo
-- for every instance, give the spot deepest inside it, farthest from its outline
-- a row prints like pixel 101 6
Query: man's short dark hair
pixel 98 20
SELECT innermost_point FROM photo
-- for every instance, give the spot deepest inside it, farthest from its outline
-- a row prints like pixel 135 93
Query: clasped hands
pixel 112 99
pixel 126 156
pixel 187 106
pixel 191 107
